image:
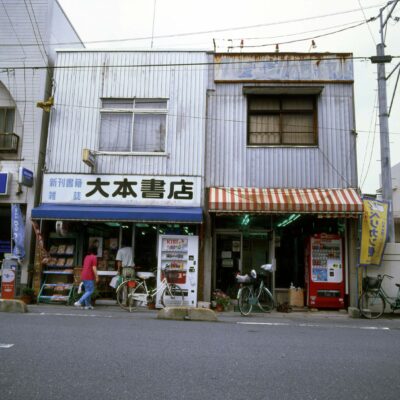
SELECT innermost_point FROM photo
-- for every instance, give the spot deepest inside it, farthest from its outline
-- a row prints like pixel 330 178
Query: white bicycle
pixel 134 293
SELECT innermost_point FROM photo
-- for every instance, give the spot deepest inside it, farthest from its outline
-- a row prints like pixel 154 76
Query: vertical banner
pixel 374 232
pixel 18 231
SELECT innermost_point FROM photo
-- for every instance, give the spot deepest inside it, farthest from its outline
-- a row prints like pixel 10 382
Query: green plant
pixel 221 298
pixel 27 291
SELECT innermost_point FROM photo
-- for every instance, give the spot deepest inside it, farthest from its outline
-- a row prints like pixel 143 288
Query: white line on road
pixel 264 323
pixel 5 346
pixel 309 325
pixel 74 315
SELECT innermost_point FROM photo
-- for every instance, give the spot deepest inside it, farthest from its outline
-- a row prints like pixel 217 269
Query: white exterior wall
pixel 75 118
pixel 26 29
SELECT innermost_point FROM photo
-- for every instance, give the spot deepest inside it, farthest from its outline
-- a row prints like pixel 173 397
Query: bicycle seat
pixel 145 275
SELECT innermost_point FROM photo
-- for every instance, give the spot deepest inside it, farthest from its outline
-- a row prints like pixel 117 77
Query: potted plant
pixel 28 294
pixel 221 300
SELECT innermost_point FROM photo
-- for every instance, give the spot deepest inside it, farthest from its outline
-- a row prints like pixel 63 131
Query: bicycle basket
pixel 371 282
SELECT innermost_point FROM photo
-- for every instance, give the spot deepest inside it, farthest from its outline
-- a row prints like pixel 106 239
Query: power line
pixel 308 38
pixel 210 31
pixel 314 57
pixel 365 17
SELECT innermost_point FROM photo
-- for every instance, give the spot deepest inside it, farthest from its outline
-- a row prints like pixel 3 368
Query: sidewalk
pixel 111 309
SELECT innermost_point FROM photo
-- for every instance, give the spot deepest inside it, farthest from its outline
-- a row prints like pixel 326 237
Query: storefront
pixel 78 211
pixel 253 226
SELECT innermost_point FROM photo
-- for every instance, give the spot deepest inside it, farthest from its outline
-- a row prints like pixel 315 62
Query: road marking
pixel 265 323
pixel 383 328
pixel 309 325
pixel 74 315
pixel 5 346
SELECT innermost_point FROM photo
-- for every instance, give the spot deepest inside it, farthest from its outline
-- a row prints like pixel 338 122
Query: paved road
pixel 61 352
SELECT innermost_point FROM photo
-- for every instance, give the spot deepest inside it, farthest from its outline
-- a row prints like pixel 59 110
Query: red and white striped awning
pixel 327 202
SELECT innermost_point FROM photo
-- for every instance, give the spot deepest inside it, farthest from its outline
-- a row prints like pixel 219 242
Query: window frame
pixel 133 111
pixel 5 110
pixel 280 112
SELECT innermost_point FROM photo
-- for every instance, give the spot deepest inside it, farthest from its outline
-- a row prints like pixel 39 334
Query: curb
pixel 13 306
pixel 187 314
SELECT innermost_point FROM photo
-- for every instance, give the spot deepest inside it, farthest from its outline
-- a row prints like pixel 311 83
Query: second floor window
pixel 133 125
pixel 282 120
pixel 7 120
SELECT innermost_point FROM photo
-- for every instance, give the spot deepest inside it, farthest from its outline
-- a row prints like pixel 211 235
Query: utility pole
pixel 380 59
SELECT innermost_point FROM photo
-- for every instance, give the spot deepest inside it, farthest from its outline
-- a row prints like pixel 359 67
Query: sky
pixel 203 24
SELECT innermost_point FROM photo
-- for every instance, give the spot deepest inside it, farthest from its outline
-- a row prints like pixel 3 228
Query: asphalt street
pixel 107 353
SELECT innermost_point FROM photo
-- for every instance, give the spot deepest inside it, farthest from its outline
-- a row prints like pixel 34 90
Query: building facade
pixel 125 157
pixel 281 168
pixel 29 34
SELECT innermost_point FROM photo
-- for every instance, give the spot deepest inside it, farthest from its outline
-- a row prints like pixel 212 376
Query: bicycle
pixel 134 293
pixel 373 299
pixel 249 295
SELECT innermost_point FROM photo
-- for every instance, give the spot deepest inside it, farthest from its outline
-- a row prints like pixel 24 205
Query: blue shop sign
pixel 5 178
pixel 25 177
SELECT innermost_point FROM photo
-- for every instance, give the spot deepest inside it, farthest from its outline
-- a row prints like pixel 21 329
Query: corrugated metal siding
pixel 231 163
pixel 76 115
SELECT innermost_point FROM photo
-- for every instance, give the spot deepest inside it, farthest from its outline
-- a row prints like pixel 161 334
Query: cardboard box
pixel 296 297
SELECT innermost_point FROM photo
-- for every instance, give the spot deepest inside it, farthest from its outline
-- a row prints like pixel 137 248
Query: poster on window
pixel 97 242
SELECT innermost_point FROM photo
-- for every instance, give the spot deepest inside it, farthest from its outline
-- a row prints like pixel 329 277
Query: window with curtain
pixel 282 120
pixel 133 125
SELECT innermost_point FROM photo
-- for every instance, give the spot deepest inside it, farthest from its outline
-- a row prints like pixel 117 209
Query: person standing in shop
pixel 124 260
pixel 88 277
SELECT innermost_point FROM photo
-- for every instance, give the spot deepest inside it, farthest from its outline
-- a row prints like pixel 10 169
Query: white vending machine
pixel 179 253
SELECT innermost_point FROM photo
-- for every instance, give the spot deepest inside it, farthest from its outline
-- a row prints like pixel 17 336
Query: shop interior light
pixel 245 220
pixel 142 225
pixel 288 220
pixel 112 224
pixel 154 227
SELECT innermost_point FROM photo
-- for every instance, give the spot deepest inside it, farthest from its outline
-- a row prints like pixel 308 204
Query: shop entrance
pixel 239 252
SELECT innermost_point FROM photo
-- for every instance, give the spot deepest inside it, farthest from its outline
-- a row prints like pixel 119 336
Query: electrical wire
pixel 312 57
pixel 366 20
pixel 282 22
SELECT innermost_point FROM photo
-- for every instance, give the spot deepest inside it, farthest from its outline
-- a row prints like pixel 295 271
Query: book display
pixel 106 266
pixel 58 273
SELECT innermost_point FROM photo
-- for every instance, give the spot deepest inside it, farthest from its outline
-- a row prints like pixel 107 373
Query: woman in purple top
pixel 88 277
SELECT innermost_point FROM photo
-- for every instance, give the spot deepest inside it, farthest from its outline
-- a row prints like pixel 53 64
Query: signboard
pixel 5 178
pixel 25 177
pixel 18 231
pixel 138 190
pixel 8 279
pixel 374 232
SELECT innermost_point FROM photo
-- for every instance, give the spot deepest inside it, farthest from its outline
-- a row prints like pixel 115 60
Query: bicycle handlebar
pixel 389 276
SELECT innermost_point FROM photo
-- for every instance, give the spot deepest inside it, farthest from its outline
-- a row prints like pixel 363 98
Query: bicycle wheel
pixel 123 293
pixel 171 296
pixel 244 301
pixel 371 304
pixel 265 300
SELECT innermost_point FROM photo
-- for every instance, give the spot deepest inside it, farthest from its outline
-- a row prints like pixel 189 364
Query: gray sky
pixel 193 24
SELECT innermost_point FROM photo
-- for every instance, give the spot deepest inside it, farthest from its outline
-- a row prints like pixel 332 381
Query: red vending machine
pixel 325 272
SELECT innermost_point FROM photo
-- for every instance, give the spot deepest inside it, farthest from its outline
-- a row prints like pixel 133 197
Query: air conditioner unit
pixel 9 142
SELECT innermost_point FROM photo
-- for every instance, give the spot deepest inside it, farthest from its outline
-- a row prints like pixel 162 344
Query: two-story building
pixel 125 159
pixel 30 32
pixel 281 168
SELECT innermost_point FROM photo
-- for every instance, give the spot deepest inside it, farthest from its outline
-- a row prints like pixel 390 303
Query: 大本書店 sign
pixel 142 190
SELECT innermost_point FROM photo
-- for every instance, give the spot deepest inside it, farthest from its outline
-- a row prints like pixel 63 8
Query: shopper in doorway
pixel 124 260
pixel 89 277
